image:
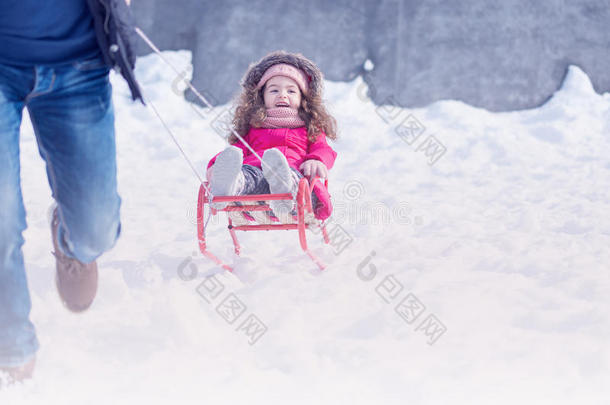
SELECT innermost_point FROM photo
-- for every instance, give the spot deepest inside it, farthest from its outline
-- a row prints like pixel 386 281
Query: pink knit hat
pixel 287 70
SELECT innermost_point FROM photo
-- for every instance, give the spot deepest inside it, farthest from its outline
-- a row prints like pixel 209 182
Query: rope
pixel 176 142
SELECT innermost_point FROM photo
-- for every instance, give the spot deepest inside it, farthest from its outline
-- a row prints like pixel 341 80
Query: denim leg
pixel 18 341
pixel 73 119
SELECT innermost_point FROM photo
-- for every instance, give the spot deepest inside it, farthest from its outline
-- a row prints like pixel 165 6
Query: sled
pixel 252 213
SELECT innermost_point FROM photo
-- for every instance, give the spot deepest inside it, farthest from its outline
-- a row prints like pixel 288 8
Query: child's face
pixel 282 91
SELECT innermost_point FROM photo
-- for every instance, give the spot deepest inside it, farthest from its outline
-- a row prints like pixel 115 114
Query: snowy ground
pixel 502 241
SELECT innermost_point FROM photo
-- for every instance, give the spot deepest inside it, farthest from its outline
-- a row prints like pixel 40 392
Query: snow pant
pixel 71 110
pixel 255 182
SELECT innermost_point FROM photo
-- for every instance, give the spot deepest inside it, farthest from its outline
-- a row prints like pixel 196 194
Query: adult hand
pixel 312 168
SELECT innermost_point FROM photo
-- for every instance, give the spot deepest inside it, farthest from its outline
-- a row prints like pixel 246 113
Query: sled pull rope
pixel 176 142
pixel 206 102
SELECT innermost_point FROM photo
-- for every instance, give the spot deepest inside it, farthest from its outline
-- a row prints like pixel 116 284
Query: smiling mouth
pixel 282 105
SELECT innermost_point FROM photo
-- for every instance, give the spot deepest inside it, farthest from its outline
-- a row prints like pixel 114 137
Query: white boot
pixel 227 177
pixel 281 180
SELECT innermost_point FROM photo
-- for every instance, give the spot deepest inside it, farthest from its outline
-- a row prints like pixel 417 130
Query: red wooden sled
pixel 252 213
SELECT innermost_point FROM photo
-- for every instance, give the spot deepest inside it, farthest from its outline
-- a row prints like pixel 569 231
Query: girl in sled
pixel 281 116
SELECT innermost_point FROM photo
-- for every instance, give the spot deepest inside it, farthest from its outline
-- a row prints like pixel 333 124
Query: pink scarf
pixel 283 117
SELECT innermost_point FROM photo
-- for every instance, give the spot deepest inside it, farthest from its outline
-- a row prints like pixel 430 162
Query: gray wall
pixel 500 55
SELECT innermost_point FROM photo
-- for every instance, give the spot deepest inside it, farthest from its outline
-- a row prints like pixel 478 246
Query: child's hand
pixel 312 168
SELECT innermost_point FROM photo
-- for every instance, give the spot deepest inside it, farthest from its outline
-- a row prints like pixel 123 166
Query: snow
pixel 496 223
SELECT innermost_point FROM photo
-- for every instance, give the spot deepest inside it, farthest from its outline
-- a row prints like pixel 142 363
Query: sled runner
pixel 252 213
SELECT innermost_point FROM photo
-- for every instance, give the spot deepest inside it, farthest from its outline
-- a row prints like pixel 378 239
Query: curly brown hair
pixel 251 112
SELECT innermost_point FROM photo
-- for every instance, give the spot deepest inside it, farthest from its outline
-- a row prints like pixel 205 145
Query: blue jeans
pixel 70 107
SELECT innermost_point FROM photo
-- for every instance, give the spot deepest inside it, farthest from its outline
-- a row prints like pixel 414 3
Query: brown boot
pixel 76 281
pixel 16 374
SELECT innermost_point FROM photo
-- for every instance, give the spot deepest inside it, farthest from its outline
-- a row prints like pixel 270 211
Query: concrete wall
pixel 500 55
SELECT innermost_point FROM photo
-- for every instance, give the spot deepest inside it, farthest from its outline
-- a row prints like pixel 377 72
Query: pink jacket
pixel 293 143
